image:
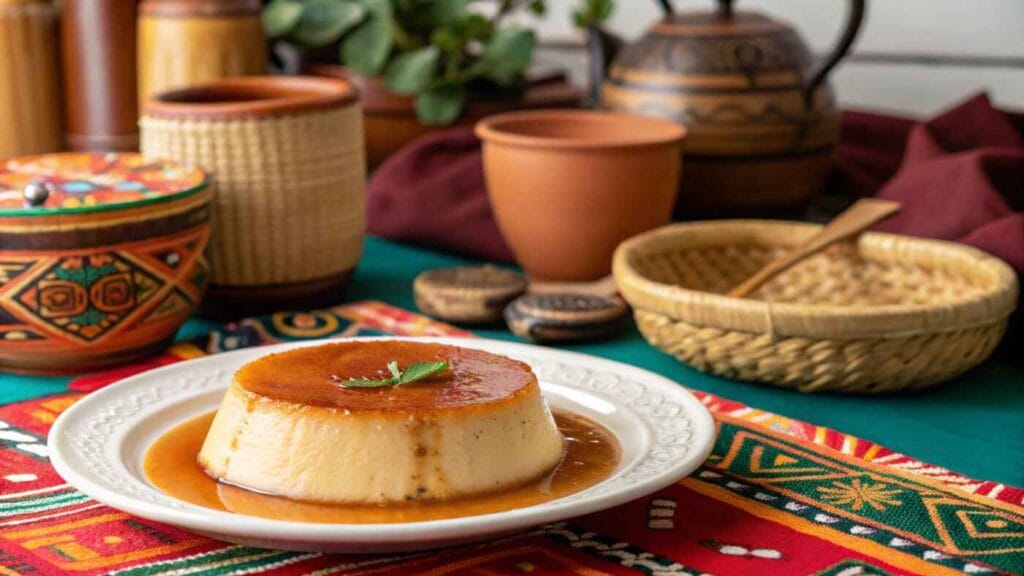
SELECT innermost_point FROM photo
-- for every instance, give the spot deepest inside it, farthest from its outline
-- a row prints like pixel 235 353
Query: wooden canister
pixel 290 208
pixel 29 92
pixel 100 100
pixel 187 42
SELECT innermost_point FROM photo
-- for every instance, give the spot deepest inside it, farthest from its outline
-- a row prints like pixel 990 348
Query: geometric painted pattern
pixel 87 296
pixel 85 181
pixel 776 496
pixel 83 297
pixel 11 270
pixel 174 303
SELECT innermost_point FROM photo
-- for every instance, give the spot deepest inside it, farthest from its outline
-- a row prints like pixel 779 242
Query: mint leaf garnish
pixel 412 373
pixel 421 370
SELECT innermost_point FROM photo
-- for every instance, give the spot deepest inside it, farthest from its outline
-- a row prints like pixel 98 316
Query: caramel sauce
pixel 315 376
pixel 592 453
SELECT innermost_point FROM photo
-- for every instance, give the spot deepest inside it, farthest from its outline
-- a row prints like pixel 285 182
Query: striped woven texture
pixel 290 202
pixel 777 496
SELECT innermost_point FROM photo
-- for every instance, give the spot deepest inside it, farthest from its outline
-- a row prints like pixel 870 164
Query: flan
pixel 292 425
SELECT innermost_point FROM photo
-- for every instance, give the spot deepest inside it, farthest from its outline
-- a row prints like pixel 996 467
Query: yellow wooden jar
pixel 29 94
pixel 186 42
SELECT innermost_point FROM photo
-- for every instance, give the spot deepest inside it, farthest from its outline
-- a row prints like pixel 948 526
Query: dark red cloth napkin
pixel 959 176
pixel 432 193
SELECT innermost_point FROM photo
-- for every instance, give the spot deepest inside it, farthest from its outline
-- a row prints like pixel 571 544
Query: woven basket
pixel 290 177
pixel 883 313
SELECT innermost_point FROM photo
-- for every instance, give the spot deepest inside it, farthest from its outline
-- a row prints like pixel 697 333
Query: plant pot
pixel 390 120
pixel 101 258
pixel 291 184
pixel 567 186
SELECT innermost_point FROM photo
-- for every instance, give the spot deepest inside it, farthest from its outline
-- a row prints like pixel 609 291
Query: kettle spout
pixel 602 47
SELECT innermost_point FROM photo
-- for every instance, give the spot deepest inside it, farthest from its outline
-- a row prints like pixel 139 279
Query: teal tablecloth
pixel 973 425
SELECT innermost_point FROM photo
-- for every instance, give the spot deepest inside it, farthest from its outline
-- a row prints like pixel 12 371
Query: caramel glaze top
pixel 315 375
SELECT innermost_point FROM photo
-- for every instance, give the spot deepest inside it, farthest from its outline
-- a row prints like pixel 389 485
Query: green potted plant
pixel 419 64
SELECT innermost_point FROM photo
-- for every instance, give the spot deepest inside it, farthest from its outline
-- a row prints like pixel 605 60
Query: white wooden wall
pixel 913 56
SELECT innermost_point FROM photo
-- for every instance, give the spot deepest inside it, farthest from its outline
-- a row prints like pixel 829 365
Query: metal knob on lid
pixel 36 192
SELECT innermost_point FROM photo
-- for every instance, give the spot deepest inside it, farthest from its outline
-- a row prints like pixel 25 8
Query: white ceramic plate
pixel 98 444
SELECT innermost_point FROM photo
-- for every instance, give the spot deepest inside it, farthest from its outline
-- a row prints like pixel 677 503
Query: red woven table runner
pixel 777 496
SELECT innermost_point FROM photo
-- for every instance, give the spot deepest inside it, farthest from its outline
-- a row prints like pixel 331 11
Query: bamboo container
pixel 187 42
pixel 29 86
pixel 100 100
pixel 882 313
pixel 290 208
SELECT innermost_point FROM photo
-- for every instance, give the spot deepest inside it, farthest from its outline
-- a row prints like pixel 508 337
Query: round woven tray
pixel 881 313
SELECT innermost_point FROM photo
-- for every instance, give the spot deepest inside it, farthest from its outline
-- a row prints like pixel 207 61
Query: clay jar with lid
pixel 101 258
pixel 186 42
pixel 567 186
pixel 287 152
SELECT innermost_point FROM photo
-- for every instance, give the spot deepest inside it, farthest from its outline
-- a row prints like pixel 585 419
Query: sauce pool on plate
pixel 592 454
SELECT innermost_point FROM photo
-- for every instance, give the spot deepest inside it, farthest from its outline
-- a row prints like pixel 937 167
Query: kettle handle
pixel 854 18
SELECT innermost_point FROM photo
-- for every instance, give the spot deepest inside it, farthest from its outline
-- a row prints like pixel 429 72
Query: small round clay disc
pixel 467 294
pixel 565 317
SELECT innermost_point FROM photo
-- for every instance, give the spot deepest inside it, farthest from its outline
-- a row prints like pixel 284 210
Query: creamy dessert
pixel 381 422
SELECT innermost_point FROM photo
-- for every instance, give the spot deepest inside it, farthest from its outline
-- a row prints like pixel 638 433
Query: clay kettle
pixel 761 118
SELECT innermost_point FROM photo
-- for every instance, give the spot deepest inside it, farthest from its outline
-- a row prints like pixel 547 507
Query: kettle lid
pixel 704 22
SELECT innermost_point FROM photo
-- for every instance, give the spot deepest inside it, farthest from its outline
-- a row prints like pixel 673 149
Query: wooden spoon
pixel 852 221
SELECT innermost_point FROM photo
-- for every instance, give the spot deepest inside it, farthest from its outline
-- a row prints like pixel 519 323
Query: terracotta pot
pixel 291 184
pixel 187 42
pixel 101 258
pixel 567 186
pixel 390 120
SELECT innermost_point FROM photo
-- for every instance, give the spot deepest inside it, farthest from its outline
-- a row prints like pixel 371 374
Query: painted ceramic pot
pixel 290 208
pixel 567 186
pixel 101 258
pixel 390 120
